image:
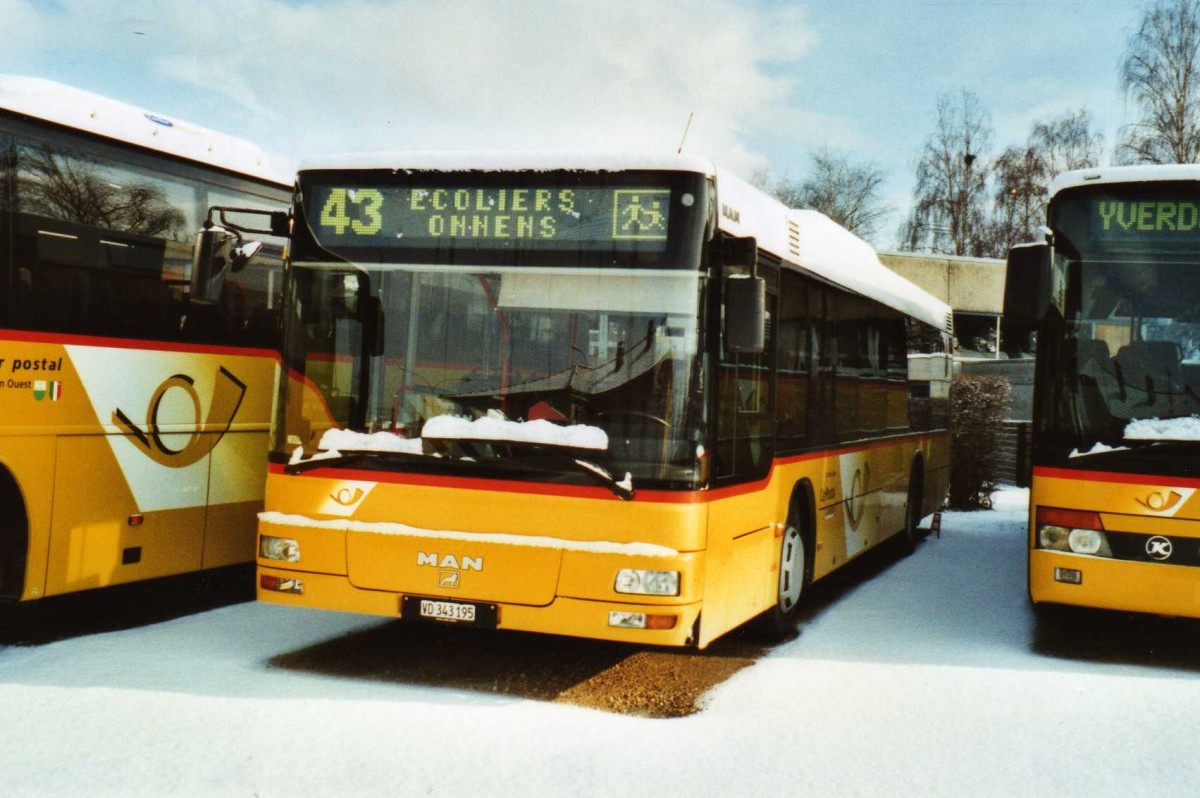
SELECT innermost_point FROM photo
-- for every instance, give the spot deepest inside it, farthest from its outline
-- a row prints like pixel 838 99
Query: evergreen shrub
pixel 979 406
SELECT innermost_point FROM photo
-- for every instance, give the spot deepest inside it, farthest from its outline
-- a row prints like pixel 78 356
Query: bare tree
pixel 1161 73
pixel 59 186
pixel 1022 175
pixel 845 191
pixel 949 214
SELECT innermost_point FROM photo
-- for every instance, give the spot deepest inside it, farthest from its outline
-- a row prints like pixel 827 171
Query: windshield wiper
pixel 622 489
pixel 341 459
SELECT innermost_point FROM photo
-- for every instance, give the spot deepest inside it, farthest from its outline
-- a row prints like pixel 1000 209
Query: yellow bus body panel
pixel 549 556
pixel 1124 505
pixel 134 460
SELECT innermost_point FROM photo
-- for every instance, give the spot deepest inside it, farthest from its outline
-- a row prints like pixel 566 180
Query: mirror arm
pixel 277 220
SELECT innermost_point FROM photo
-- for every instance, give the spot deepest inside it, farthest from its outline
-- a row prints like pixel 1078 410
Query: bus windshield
pixel 530 316
pixel 1127 353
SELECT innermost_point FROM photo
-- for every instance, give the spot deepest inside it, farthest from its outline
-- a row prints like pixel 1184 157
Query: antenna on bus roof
pixel 686 128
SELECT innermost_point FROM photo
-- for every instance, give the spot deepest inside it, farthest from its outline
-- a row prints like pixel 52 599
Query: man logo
pixel 1159 548
pixel 448 579
pixel 464 563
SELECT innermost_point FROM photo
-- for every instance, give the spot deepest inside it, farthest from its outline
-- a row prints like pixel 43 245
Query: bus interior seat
pixel 1156 368
pixel 1101 391
pixel 1153 366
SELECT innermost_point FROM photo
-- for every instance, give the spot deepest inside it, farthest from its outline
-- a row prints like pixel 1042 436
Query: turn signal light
pixel 641 620
pixel 281 584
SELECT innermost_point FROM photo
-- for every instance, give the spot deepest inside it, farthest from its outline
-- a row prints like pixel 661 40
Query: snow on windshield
pixel 490 428
pixel 1186 428
pixel 1099 448
pixel 335 441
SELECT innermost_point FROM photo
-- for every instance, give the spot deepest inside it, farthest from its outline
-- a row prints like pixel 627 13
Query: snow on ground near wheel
pixel 918 681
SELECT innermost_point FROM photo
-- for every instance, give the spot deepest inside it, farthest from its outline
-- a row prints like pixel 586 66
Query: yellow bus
pixel 1114 521
pixel 134 412
pixel 627 398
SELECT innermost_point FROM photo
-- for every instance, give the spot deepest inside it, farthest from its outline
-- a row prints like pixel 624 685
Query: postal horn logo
pixel 856 502
pixel 1161 501
pixel 347 497
pixel 228 392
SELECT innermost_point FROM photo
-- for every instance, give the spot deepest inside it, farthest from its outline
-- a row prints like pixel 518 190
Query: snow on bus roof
pixel 508 161
pixel 807 238
pixel 1124 174
pixel 102 116
pixel 820 245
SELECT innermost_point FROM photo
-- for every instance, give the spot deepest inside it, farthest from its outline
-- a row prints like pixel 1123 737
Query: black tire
pixel 912 511
pixel 795 575
pixel 14 538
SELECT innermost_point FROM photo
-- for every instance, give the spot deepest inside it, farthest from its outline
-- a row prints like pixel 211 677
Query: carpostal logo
pixel 19 370
pixel 47 389
pixel 226 399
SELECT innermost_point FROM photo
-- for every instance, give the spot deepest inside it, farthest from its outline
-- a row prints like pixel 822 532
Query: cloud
pixel 427 74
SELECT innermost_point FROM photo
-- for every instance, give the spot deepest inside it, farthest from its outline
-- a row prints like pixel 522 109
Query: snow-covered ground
pixel 922 680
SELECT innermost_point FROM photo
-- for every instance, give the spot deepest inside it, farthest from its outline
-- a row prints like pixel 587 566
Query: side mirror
pixel 212 260
pixel 739 251
pixel 1027 283
pixel 244 253
pixel 745 314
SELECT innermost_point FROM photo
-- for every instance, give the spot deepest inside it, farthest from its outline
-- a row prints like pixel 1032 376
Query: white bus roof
pixel 822 246
pixel 112 119
pixel 806 238
pixel 515 161
pixel 1124 174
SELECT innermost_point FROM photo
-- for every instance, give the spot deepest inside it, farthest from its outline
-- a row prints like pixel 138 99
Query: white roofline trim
pixel 817 244
pixel 1124 174
pixel 112 119
pixel 509 161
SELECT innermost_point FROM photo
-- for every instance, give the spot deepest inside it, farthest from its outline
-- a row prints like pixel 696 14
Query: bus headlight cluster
pixel 1074 540
pixel 647 583
pixel 273 548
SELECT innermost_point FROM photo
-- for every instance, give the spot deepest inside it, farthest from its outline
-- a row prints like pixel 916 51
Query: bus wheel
pixel 780 621
pixel 13 538
pixel 912 512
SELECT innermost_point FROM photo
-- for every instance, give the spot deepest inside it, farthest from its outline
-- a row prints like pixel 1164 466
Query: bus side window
pixel 791 401
pixel 745 419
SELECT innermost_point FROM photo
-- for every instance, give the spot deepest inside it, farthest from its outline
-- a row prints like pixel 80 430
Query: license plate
pixel 430 609
pixel 447 611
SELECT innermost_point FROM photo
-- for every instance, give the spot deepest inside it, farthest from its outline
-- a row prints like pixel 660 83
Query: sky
pixel 765 82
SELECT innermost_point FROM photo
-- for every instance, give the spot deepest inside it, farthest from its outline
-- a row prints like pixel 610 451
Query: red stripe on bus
pixel 64 339
pixel 575 491
pixel 1122 479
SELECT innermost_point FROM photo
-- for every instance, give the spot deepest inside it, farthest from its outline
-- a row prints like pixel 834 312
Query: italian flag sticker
pixel 43 389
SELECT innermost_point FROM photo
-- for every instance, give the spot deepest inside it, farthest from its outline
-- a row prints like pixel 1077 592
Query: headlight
pixel 647 583
pixel 1077 541
pixel 273 548
pixel 1053 537
pixel 1088 541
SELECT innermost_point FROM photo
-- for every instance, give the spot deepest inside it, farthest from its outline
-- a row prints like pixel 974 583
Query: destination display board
pixel 1143 220
pixel 490 216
